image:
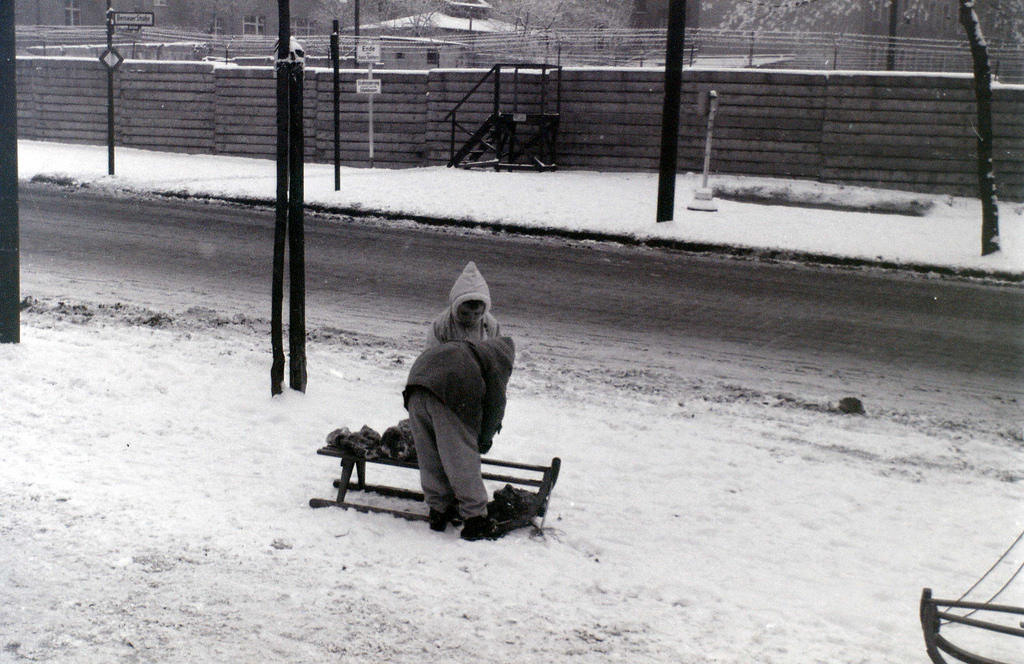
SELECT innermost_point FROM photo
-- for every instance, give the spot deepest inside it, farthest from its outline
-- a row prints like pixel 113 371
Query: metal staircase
pixel 521 136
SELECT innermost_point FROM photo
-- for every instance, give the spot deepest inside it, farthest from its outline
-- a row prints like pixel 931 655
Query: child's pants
pixel 448 456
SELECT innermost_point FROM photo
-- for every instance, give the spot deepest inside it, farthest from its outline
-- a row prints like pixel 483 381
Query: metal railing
pixel 568 47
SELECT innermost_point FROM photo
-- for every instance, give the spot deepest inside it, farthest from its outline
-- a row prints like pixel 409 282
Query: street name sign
pixel 133 19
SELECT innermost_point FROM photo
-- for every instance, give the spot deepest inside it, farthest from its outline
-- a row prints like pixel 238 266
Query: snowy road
pixel 629 312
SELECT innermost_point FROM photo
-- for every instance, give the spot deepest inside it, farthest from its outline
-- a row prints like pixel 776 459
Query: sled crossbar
pixel 932 619
pixel 349 463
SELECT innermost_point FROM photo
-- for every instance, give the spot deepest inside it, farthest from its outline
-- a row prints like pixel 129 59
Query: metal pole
pixel 369 74
pixel 10 321
pixel 894 16
pixel 712 109
pixel 670 110
pixel 337 112
pixel 110 93
pixel 281 208
pixel 356 23
pixel 296 235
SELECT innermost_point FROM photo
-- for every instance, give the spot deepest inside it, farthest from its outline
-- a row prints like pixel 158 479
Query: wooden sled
pixel 543 479
pixel 932 618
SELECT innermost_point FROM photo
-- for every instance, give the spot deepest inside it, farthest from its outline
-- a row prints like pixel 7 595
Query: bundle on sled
pixel 511 508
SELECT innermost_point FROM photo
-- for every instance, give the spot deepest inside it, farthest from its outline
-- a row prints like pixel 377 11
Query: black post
pixel 335 56
pixel 110 93
pixel 670 109
pixel 985 141
pixel 355 24
pixel 894 18
pixel 281 209
pixel 296 239
pixel 10 321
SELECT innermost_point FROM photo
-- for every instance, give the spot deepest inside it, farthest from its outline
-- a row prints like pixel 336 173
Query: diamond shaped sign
pixel 111 58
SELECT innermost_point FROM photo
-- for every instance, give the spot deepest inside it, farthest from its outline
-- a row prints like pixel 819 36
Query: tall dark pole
pixel 110 92
pixel 355 23
pixel 335 56
pixel 894 18
pixel 296 235
pixel 281 210
pixel 10 323
pixel 985 142
pixel 670 109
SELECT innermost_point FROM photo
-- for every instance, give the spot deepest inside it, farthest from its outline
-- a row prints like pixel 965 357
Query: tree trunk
pixel 983 94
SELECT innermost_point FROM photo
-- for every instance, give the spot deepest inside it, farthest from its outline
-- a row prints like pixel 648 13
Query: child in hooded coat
pixel 474 321
pixel 455 395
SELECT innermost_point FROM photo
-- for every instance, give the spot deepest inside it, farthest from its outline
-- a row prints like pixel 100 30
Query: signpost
pixel 335 56
pixel 110 57
pixel 369 51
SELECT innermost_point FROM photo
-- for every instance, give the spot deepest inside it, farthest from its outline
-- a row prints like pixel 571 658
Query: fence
pixel 904 131
pixel 632 48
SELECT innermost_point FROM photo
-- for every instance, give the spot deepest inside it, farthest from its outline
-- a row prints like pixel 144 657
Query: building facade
pixel 257 18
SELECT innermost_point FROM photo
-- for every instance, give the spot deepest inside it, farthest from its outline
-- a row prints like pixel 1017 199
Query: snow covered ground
pixel 154 496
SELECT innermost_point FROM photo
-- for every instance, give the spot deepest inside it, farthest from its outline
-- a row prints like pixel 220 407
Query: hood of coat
pixel 469 286
pixel 499 353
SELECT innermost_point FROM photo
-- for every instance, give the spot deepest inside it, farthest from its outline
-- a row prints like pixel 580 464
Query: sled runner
pixel 932 618
pixel 542 478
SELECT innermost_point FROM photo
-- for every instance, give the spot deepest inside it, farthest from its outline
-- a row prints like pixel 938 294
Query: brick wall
pixel 906 131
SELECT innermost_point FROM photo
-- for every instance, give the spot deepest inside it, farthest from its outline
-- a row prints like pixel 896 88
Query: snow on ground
pixel 949 235
pixel 154 500
pixel 154 496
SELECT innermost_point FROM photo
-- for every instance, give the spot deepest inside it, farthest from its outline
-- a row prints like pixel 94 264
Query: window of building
pixel 303 27
pixel 254 25
pixel 72 12
pixel 433 57
pixel 159 3
pixel 217 26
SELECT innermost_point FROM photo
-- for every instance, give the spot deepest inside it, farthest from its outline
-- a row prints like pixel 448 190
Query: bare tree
pixel 418 15
pixel 789 15
pixel 983 94
pixel 529 15
pixel 549 14
pixel 1003 19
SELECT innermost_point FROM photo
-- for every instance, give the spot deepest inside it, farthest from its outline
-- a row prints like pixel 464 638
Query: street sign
pixel 368 86
pixel 111 58
pixel 368 50
pixel 136 19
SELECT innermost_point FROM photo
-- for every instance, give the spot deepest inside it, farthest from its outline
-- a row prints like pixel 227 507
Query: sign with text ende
pixel 133 19
pixel 368 50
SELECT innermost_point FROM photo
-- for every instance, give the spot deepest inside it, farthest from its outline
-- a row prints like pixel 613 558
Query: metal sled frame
pixel 548 475
pixel 932 618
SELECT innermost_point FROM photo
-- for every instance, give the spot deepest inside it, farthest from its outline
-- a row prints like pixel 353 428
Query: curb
pixel 768 255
